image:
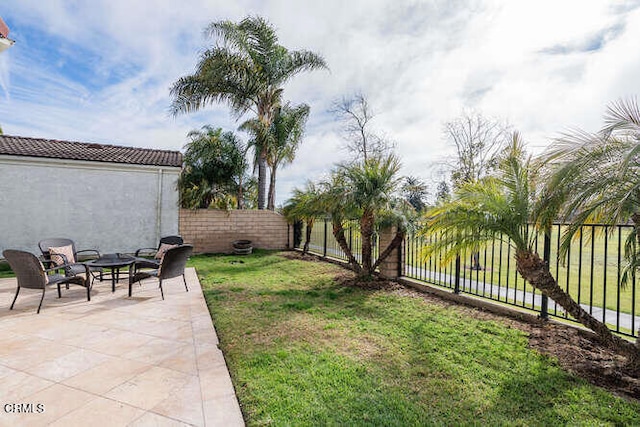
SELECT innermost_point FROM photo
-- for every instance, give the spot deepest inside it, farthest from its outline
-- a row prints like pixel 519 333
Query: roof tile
pixel 50 148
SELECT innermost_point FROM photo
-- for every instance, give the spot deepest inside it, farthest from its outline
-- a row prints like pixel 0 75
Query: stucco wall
pixel 107 206
pixel 213 231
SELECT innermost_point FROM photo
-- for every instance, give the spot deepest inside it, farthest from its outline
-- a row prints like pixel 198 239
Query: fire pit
pixel 242 247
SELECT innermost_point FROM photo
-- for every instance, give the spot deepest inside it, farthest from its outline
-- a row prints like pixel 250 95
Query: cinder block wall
pixel 213 231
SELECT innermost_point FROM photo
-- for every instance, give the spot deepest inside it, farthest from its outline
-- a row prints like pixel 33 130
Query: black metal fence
pixel 324 243
pixel 590 272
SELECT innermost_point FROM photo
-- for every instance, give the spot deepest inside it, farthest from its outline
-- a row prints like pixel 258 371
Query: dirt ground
pixel 576 350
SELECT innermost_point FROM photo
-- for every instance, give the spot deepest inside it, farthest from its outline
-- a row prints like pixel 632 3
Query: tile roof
pixel 38 147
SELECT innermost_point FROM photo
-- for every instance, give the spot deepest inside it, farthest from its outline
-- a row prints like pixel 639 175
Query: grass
pixel 303 349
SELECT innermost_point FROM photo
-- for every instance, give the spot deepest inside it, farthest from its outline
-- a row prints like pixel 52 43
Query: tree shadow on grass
pixel 551 396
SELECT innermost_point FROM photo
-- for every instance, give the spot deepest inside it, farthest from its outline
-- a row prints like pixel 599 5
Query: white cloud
pixel 104 72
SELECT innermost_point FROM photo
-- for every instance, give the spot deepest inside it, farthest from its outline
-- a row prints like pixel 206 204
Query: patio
pixel 114 360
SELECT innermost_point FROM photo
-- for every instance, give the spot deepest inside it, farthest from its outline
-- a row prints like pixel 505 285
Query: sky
pixel 100 70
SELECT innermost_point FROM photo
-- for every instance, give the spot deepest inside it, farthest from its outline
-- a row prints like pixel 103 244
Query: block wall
pixel 390 267
pixel 213 231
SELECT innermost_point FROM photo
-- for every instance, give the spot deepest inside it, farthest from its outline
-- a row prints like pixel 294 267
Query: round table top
pixel 113 260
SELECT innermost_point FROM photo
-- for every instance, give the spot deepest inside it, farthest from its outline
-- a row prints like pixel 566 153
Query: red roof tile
pixel 38 147
pixel 4 30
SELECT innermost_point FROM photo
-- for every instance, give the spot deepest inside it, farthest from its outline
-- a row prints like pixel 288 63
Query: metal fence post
pixel 324 252
pixel 456 288
pixel 546 256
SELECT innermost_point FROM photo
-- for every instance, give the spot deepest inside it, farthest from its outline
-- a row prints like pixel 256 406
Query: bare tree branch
pixel 356 116
pixel 478 140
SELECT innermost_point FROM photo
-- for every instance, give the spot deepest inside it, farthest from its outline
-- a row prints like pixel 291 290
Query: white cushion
pixel 67 251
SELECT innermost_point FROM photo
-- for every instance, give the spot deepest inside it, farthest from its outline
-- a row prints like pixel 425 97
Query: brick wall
pixel 213 231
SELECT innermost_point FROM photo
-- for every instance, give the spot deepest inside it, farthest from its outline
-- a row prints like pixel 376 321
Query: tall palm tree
pixel 282 138
pixel 595 178
pixel 366 190
pixel 505 205
pixel 288 128
pixel 246 69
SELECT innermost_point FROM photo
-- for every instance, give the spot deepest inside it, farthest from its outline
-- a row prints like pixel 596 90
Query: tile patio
pixel 113 361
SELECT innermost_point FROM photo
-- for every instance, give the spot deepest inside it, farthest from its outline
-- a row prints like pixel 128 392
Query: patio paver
pixel 113 361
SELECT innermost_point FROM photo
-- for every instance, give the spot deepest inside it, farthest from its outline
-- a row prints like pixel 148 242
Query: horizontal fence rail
pixel 590 272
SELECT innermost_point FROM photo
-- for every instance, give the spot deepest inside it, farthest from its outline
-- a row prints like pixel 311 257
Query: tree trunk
pixel 262 180
pixel 272 189
pixel 338 233
pixel 366 231
pixel 535 271
pixel 307 241
pixel 240 195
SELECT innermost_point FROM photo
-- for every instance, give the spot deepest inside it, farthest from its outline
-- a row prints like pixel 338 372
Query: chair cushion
pixel 67 251
pixel 164 247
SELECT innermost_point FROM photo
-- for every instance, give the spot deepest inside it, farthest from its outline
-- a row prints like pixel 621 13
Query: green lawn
pixel 305 350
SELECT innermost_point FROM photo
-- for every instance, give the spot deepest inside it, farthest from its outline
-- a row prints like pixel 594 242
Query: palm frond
pixel 622 116
pixel 481 211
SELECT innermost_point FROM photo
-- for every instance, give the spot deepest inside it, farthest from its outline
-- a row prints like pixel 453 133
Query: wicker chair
pixel 172 265
pixel 73 268
pixel 31 274
pixel 143 262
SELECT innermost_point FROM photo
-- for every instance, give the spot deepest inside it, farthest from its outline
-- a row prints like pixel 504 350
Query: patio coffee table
pixel 114 262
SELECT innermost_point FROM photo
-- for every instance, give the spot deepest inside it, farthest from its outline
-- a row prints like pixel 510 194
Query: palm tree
pixel 415 192
pixel 366 190
pixel 504 205
pixel 213 162
pixel 305 205
pixel 282 138
pixel 246 69
pixel 595 178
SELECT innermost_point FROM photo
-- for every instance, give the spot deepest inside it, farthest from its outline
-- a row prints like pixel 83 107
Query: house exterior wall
pixel 106 206
pixel 213 231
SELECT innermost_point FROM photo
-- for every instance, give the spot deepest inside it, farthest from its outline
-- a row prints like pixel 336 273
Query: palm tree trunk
pixel 262 180
pixel 272 189
pixel 240 195
pixel 307 241
pixel 366 231
pixel 535 271
pixel 338 233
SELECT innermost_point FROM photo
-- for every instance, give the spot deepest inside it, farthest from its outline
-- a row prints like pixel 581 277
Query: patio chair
pixel 66 253
pixel 164 244
pixel 31 274
pixel 172 265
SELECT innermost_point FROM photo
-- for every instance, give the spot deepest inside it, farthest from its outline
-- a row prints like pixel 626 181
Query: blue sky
pixel 100 71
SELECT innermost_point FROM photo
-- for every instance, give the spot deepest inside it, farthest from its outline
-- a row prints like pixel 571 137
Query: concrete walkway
pixel 113 361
